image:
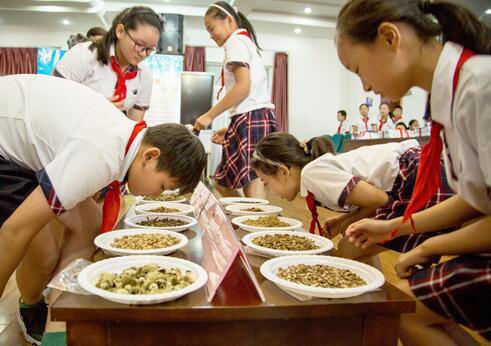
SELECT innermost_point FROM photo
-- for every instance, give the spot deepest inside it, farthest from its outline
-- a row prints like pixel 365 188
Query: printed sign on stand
pixel 231 280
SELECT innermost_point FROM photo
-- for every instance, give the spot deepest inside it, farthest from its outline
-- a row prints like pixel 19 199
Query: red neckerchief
pixel 428 178
pixel 313 211
pixel 110 210
pixel 381 124
pixel 340 125
pixel 120 89
pixel 366 122
pixel 222 79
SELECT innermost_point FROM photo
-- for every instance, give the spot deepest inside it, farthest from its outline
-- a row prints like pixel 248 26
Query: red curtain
pixel 18 60
pixel 280 90
pixel 194 59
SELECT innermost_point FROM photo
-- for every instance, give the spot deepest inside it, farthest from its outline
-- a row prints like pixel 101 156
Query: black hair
pixel 402 123
pixel 364 104
pixel 181 153
pixel 412 121
pixel 284 148
pixel 383 103
pixel 239 17
pixel 360 20
pixel 130 18
pixel 96 31
pixel 342 112
pixel 398 106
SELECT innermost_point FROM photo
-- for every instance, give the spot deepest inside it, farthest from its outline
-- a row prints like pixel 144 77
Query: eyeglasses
pixel 139 48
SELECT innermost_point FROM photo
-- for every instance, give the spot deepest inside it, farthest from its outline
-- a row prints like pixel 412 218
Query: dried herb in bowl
pixel 285 242
pixel 320 275
pixel 164 210
pixel 266 221
pixel 162 222
pixel 145 241
pixel 253 210
pixel 163 197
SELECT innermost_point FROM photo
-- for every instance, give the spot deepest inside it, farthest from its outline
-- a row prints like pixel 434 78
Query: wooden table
pixel 354 144
pixel 370 319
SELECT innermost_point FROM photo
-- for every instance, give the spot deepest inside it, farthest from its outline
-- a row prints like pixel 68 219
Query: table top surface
pixel 229 304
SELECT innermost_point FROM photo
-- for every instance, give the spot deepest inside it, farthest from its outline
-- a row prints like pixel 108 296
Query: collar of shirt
pixel 441 89
pixel 112 53
pixel 130 156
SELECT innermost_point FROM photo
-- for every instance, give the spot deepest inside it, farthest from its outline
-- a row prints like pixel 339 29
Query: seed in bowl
pixel 320 275
pixel 162 222
pixel 247 202
pixel 164 210
pixel 285 242
pixel 253 210
pixel 163 197
pixel 266 221
pixel 148 279
pixel 145 241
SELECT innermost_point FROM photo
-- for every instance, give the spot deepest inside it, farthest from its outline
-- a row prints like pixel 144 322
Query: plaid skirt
pixel 243 135
pixel 16 184
pixel 458 289
pixel 400 196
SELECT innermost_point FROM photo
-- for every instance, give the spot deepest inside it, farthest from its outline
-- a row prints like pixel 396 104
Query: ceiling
pixel 272 16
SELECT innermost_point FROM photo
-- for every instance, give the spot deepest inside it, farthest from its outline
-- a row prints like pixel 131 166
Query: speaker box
pixel 171 39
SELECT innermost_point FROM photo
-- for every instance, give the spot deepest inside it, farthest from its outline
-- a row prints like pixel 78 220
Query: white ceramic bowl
pixel 89 275
pixel 243 201
pixel 184 209
pixel 294 224
pixel 324 244
pixel 132 222
pixel 141 200
pixel 105 240
pixel 237 209
pixel 372 276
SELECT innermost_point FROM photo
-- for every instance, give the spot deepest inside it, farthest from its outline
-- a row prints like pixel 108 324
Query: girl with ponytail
pixel 394 45
pixel 246 99
pixel 372 181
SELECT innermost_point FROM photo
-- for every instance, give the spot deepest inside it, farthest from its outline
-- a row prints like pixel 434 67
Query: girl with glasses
pixel 114 65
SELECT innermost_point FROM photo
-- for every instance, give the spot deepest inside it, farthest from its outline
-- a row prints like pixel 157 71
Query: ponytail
pixel 281 148
pixel 240 19
pixel 130 18
pixel 360 20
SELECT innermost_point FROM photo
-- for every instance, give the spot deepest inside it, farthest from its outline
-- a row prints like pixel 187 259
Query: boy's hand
pixel 203 122
pixel 118 104
pixel 368 232
pixel 219 136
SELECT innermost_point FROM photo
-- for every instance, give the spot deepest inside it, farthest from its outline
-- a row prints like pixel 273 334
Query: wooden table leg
pixel 87 334
pixel 381 330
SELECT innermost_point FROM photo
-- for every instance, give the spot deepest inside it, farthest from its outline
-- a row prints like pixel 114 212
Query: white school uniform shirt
pixel 345 127
pixel 467 126
pixel 388 125
pixel 361 124
pixel 239 49
pixel 66 132
pixel 80 64
pixel 330 178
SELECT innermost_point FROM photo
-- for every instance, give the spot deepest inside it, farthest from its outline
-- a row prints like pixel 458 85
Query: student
pixel 413 124
pixel 343 126
pixel 61 142
pixel 393 47
pixel 246 98
pixel 114 65
pixel 363 123
pixel 401 126
pixel 397 114
pixel 384 123
pixel 371 181
pixel 96 33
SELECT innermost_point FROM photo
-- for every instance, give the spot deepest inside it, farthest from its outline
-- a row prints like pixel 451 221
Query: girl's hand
pixel 368 232
pixel 118 104
pixel 407 261
pixel 219 136
pixel 332 226
pixel 203 122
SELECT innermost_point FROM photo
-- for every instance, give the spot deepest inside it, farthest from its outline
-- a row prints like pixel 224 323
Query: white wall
pixel 319 85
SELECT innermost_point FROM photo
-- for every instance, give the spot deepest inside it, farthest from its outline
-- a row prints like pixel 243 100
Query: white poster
pixel 165 104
